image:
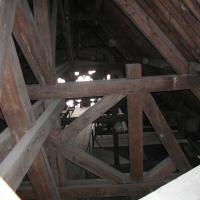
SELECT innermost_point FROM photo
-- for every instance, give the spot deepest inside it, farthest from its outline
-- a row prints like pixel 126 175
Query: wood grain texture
pixel 135 126
pixel 115 86
pixel 16 103
pixel 152 31
pixel 31 44
pixel 15 166
pixel 7 15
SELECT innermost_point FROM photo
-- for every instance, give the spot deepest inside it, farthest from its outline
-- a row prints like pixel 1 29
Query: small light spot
pixel 108 77
pixel 76 73
pixel 60 80
pixel 91 72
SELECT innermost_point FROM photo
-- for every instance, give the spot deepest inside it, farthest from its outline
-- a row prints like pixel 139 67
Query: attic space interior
pixel 99 99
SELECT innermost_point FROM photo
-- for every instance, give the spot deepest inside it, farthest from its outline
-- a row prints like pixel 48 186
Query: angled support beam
pixel 7 141
pixel 15 166
pixel 92 164
pixel 155 35
pixel 7 15
pixel 194 7
pixel 162 171
pixel 119 86
pixel 70 132
pixel 16 105
pixel 165 133
pixel 135 126
pixel 42 17
pixel 31 44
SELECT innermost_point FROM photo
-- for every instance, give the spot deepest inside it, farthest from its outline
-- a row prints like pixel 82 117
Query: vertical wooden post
pixel 135 126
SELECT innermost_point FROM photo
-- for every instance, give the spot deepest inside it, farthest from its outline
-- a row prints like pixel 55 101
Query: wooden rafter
pixel 35 54
pixel 42 19
pixel 152 31
pixel 180 25
pixel 194 6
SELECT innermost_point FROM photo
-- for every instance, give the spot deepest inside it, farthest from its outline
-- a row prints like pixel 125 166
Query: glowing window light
pixel 76 73
pixel 92 104
pixel 78 105
pixel 84 78
pixel 70 103
pixel 78 100
pixel 60 80
pixel 108 77
pixel 91 72
pixel 92 100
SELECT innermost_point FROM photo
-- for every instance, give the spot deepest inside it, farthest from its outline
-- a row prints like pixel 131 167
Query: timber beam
pixel 97 188
pixel 15 166
pixel 115 86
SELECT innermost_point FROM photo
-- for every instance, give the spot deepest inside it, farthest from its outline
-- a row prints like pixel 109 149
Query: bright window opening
pixel 84 78
pixel 76 73
pixel 60 80
pixel 108 77
pixel 91 72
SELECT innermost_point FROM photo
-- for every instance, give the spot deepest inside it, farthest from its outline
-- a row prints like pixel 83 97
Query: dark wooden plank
pixel 43 20
pixel 182 28
pixel 16 107
pixel 31 44
pixel 162 171
pixel 166 27
pixel 7 14
pixel 118 86
pixel 194 7
pixel 15 166
pixel 7 141
pixel 165 133
pixel 135 126
pixel 97 188
pixel 70 132
pixel 54 27
pixel 92 164
pixel 152 31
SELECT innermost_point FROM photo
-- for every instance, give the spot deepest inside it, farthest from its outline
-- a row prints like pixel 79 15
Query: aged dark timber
pixel 99 99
